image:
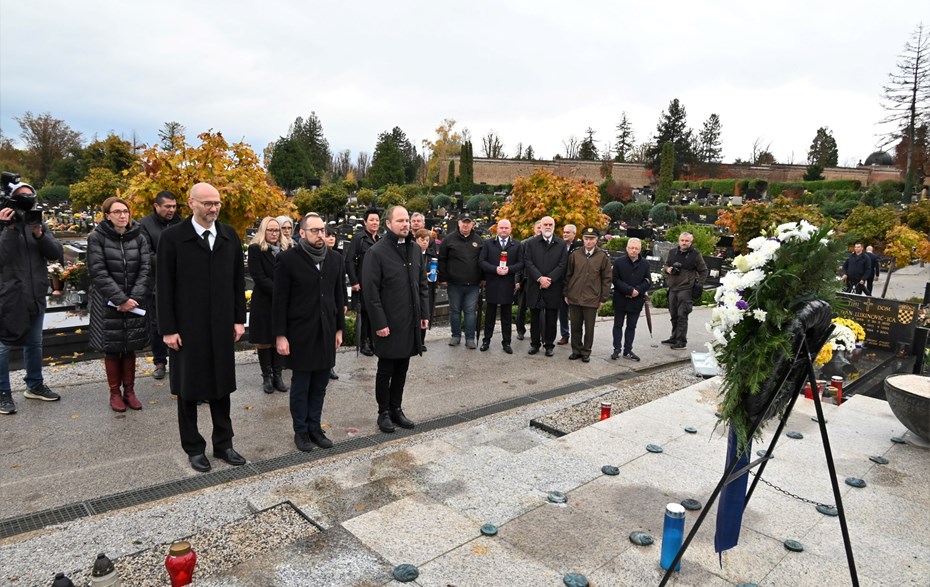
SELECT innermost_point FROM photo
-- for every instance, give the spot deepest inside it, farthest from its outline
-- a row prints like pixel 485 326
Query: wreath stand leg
pixel 731 474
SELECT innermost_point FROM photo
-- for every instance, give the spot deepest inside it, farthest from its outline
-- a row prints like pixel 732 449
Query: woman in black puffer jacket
pixel 118 260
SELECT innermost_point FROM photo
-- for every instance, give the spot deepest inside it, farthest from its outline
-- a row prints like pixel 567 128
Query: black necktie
pixel 206 238
pixel 503 243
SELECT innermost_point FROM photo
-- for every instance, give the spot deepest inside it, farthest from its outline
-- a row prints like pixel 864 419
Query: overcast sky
pixel 534 71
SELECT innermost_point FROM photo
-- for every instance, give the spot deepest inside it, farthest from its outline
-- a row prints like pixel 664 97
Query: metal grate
pixel 39 520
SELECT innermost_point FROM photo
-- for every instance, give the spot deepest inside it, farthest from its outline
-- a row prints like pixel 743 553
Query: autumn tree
pixel 99 184
pixel 47 140
pixel 756 218
pixel 491 146
pixel 387 164
pixel 906 99
pixel 626 140
pixel 446 145
pixel 567 200
pixel 587 150
pixel 905 243
pixel 869 224
pixel 341 164
pixel 11 158
pixel 709 150
pixel 672 128
pixel 326 201
pixel 169 133
pixel 234 170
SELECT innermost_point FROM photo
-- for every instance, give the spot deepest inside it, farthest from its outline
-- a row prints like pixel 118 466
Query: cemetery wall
pixel 505 171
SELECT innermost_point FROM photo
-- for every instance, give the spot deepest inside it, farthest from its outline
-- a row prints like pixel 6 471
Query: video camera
pixel 676 268
pixel 23 204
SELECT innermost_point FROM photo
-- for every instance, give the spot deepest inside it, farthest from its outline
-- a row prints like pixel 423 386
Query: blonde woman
pixel 263 252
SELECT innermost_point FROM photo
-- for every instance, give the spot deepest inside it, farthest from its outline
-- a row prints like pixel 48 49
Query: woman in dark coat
pixel 118 260
pixel 263 252
pixel 330 239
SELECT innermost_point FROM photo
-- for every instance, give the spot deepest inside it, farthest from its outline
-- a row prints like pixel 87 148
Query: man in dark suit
pixel 501 259
pixel 201 315
pixel 856 270
pixel 307 307
pixel 631 282
pixel 546 258
pixel 521 288
pixel 397 298
pixel 876 268
pixel 355 259
pixel 569 232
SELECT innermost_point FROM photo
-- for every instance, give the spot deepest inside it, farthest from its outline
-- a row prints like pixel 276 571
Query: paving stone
pixel 486 561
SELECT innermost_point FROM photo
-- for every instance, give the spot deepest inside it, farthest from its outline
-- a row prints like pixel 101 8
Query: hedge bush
pixel 478 203
pixel 617 243
pixel 635 212
pixel 54 194
pixel 705 240
pixel 441 201
pixel 613 210
pixel 663 214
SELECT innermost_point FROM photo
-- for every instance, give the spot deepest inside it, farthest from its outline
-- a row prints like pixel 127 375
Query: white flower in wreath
pixel 842 338
pixel 751 279
pixel 759 315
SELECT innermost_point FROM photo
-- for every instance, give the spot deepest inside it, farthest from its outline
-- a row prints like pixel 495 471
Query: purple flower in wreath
pixel 742 305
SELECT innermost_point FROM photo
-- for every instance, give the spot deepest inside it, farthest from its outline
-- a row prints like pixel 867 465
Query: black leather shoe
pixel 669 341
pixel 549 352
pixel 318 437
pixel 230 457
pixel 160 371
pixel 485 346
pixel 586 359
pixel 423 348
pixel 533 350
pixel 384 423
pixel 507 349
pixel 333 375
pixel 200 463
pixel 678 346
pixel 398 417
pixel 631 356
pixel 302 441
pixel 521 335
pixel 614 355
pixel 574 357
pixel 366 350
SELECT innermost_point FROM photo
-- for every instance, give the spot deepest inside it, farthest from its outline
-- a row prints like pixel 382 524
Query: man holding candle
pixel 501 259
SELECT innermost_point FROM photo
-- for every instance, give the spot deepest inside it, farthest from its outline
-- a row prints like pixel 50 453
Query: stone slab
pixel 486 561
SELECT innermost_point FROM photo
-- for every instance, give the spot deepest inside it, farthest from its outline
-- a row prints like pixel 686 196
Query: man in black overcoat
pixel 307 308
pixel 397 299
pixel 500 273
pixel 631 281
pixel 546 258
pixel 857 269
pixel 355 260
pixel 201 315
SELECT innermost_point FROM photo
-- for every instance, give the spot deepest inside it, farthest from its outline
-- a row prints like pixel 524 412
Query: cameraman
pixel 685 269
pixel 26 245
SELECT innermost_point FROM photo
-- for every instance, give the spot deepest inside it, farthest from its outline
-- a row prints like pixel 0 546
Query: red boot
pixel 114 369
pixel 129 381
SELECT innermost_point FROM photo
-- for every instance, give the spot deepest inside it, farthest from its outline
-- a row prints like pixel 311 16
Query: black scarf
pixel 316 255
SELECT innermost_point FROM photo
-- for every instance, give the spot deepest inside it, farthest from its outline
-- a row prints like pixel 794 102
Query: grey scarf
pixel 316 255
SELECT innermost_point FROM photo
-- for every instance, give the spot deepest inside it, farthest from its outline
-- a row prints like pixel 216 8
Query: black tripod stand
pixel 802 357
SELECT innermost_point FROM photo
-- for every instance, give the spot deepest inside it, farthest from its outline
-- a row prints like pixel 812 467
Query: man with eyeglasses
pixel 308 323
pixel 201 314
pixel 164 215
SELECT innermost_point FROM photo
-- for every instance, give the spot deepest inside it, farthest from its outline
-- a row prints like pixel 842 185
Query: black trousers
pixel 490 318
pixel 389 383
pixel 191 440
pixel 521 308
pixel 308 389
pixel 159 349
pixel 543 334
pixel 679 306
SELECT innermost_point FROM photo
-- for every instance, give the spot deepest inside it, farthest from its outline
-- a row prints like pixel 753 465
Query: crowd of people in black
pixel 179 285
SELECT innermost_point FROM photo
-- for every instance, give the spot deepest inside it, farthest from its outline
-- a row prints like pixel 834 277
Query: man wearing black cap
pixel 460 270
pixel 164 214
pixel 26 246
pixel 587 287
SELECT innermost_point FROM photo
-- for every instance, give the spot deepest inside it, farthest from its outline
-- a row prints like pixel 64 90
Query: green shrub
pixel 760 185
pixel 54 194
pixel 659 298
pixel 391 196
pixel 417 204
pixel 441 201
pixel 634 212
pixel 607 309
pixel 723 186
pixel 478 203
pixel 847 196
pixel 707 298
pixel 705 240
pixel 838 209
pixel 682 185
pixel 617 243
pixel 663 214
pixel 365 197
pixel 348 335
pixel 613 210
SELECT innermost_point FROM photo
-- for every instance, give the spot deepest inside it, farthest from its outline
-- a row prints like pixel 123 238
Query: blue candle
pixel 673 532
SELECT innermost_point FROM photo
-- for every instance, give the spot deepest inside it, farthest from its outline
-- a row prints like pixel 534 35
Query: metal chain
pixel 789 494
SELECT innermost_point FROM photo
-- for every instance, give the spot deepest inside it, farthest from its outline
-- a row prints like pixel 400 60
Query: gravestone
pixel 888 324
pixel 661 249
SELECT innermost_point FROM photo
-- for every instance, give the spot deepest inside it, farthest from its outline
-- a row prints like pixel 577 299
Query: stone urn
pixel 909 399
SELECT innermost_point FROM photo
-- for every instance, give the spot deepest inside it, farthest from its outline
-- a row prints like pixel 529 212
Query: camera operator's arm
pixel 10 238
pixel 48 245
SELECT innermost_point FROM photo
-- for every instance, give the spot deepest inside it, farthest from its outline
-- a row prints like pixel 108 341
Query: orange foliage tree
pixel 567 200
pixel 753 218
pixel 234 170
pixel 905 243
